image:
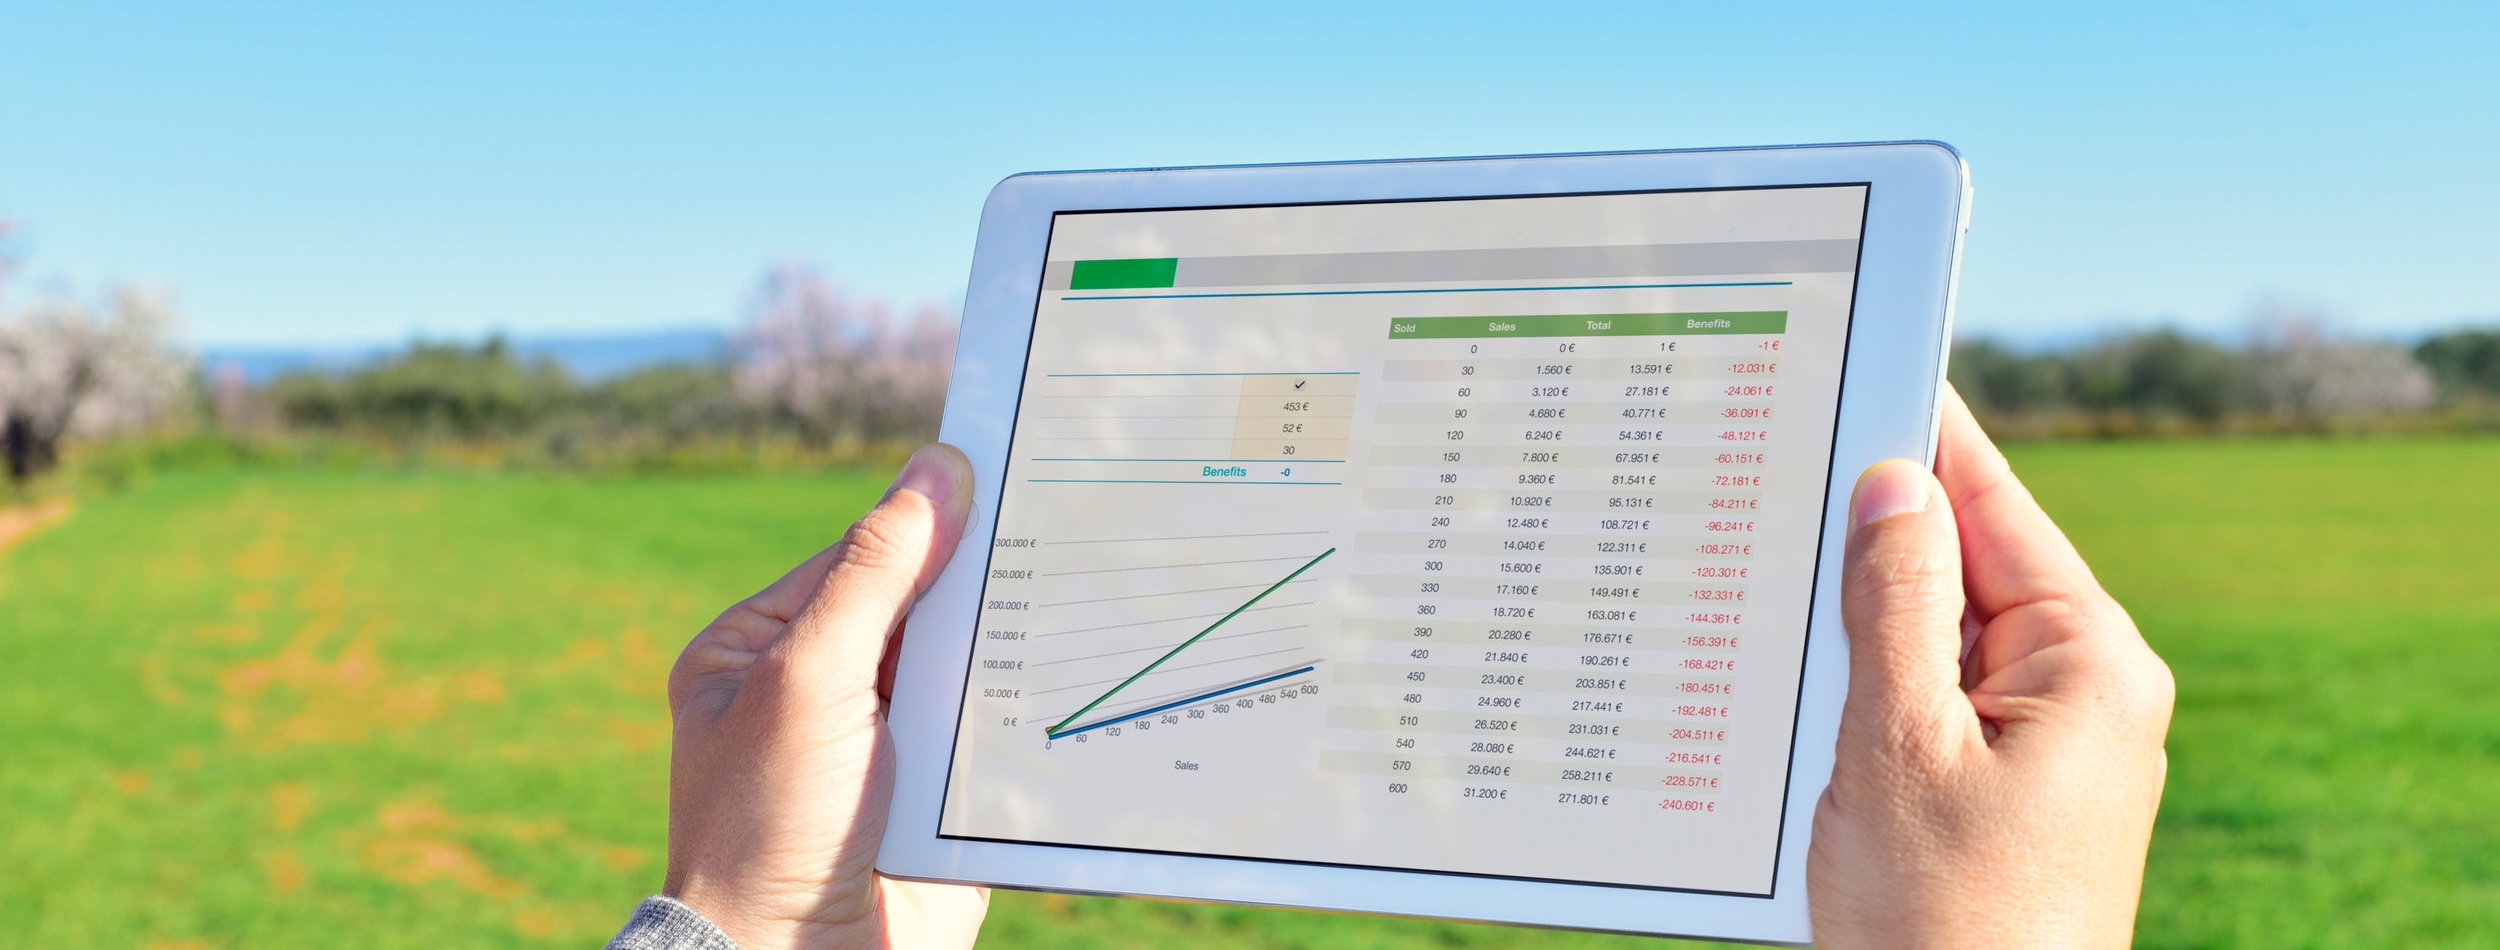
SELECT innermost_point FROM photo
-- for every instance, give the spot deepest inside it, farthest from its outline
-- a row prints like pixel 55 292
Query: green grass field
pixel 296 709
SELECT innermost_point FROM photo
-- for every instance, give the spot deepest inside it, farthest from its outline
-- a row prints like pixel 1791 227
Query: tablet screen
pixel 1470 536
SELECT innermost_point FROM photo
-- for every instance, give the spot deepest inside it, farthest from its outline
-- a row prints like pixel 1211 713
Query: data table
pixel 1480 560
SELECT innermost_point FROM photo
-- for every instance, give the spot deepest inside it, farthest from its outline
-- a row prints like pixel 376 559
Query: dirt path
pixel 19 522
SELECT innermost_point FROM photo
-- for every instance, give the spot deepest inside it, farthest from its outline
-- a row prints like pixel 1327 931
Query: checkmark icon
pixel 1297 384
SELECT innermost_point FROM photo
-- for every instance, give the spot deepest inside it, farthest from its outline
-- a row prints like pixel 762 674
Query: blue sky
pixel 341 174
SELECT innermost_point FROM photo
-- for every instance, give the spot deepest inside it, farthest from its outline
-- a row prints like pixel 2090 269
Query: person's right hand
pixel 780 767
pixel 2000 758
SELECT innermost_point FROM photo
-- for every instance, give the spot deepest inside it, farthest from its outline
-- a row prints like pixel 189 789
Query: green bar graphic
pixel 1590 324
pixel 1124 274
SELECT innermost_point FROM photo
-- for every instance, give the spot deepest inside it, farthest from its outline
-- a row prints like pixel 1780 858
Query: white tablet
pixel 1448 538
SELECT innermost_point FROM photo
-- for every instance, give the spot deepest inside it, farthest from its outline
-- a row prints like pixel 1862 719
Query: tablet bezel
pixel 1900 324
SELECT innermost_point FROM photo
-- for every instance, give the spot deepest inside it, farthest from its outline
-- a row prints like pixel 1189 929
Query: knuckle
pixel 769 670
pixel 2133 696
pixel 2142 688
pixel 882 540
pixel 709 670
pixel 680 686
pixel 711 699
pixel 2154 691
pixel 686 676
pixel 1896 575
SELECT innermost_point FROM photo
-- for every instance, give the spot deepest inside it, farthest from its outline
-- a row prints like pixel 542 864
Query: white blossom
pixel 841 368
pixel 72 369
pixel 2301 370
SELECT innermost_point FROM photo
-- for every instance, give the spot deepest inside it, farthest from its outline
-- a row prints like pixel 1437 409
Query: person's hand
pixel 2000 754
pixel 781 767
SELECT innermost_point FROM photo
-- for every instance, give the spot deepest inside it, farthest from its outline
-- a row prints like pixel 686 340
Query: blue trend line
pixel 1176 705
pixel 1435 290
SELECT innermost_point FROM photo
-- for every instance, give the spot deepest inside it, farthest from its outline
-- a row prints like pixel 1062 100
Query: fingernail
pixel 927 473
pixel 1890 488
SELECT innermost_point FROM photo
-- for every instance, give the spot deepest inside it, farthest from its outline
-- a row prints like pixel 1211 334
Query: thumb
pixel 1901 602
pixel 882 564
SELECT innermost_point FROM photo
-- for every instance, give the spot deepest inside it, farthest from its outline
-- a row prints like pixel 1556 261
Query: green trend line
pixel 1150 667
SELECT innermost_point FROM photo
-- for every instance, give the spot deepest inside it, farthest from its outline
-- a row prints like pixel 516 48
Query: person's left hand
pixel 781 768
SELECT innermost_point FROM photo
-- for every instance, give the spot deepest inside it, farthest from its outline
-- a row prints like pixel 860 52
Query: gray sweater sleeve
pixel 663 924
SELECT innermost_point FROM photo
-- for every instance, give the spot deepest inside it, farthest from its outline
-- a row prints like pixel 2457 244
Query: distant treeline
pixel 813 374
pixel 815 377
pixel 823 375
pixel 2291 378
pixel 454 394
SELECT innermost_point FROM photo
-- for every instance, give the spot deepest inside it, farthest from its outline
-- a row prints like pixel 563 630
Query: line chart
pixel 1061 728
pixel 1178 703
